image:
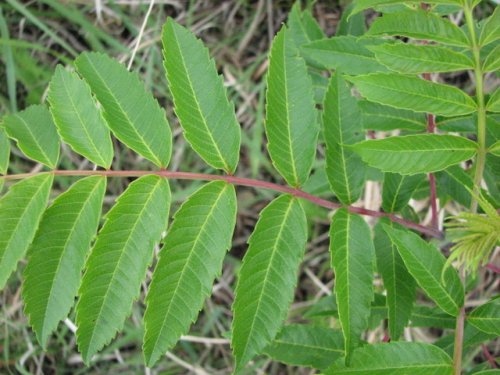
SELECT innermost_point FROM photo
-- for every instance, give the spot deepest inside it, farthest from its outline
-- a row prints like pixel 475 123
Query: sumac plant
pixel 370 103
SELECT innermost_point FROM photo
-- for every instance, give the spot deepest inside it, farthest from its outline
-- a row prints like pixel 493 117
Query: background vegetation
pixel 36 35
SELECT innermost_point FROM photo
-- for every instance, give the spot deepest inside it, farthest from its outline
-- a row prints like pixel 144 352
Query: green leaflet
pixel 462 124
pixel 132 114
pixel 189 262
pixel 352 255
pixel 347 54
pixel 35 134
pixel 495 148
pixel 419 24
pixel 491 28
pixel 381 117
pixel 205 114
pixel 58 252
pixel 396 358
pixel 416 59
pixel 412 154
pixel 361 5
pixel 307 345
pixel 302 26
pixel 4 152
pixel 494 102
pixel 351 23
pixel 398 189
pixel 267 277
pixel 426 316
pixel 487 317
pixel 78 119
pixel 291 126
pixel 455 182
pixel 425 263
pixel 20 212
pixel 414 94
pixel 118 262
pixel 342 125
pixel 399 284
pixel 492 60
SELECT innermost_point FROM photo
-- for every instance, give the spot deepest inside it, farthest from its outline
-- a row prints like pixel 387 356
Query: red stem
pixel 493 268
pixel 242 182
pixel 491 360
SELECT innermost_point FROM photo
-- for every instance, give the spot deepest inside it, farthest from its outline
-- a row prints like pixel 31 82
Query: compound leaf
pixel 118 262
pixel 416 59
pixel 399 284
pixel 353 257
pixel 58 252
pixel 425 263
pixel 381 117
pixel 396 358
pixel 307 345
pixel 487 317
pixel 78 120
pixel 35 134
pixel 132 114
pixel 291 125
pixel 205 114
pixel 348 54
pixel 397 190
pixel 267 277
pixel 491 28
pixel 342 125
pixel 419 24
pixel 20 212
pixel 412 154
pixel 190 260
pixel 414 94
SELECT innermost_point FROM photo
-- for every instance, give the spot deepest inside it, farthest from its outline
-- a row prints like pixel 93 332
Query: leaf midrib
pixel 47 158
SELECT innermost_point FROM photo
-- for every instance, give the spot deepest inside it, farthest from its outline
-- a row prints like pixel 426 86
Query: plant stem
pixel 479 165
pixel 242 181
